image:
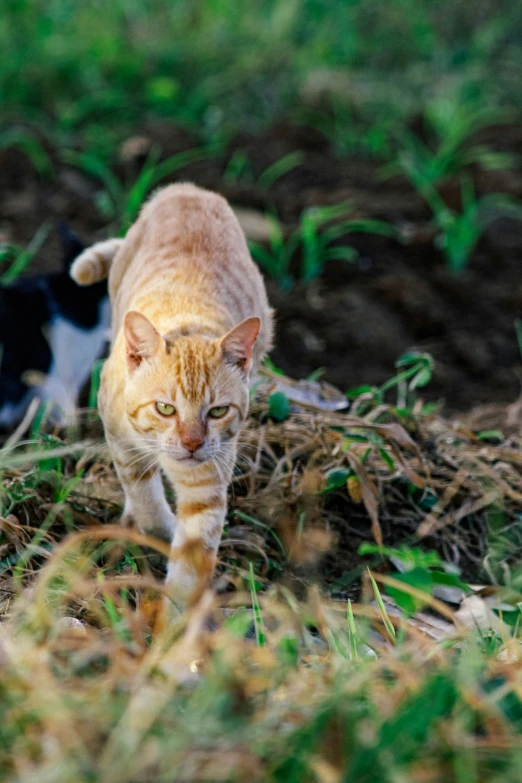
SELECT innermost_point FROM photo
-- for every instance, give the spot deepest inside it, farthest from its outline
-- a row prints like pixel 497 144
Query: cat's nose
pixel 191 443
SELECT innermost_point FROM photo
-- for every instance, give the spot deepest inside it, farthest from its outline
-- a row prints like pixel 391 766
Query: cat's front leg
pixel 145 506
pixel 201 511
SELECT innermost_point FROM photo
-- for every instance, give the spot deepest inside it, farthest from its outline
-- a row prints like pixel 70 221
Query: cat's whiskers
pixel 139 458
pixel 139 450
pixel 153 463
pixel 142 442
pixel 245 461
pixel 229 450
pixel 215 464
pixel 221 467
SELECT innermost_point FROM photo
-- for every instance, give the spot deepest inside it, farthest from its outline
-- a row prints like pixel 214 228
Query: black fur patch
pixel 30 305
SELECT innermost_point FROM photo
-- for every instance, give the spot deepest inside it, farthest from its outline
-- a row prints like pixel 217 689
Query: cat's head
pixel 187 397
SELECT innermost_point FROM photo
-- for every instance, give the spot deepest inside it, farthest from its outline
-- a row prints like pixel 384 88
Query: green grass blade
pixel 354 653
pixel 95 383
pixel 167 167
pixel 254 521
pixel 13 138
pixel 258 618
pixel 95 167
pixel 22 261
pixel 382 609
pixel 276 170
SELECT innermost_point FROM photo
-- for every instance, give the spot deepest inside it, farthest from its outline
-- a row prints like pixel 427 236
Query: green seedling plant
pixel 415 371
pixel 424 573
pixel 315 237
pixel 239 170
pixel 453 127
pixel 421 570
pixel 276 259
pixel 360 446
pixel 121 202
pixel 459 232
pixel 347 134
pixel 26 142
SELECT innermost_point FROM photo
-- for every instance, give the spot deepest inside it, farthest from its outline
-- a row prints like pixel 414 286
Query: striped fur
pixel 191 323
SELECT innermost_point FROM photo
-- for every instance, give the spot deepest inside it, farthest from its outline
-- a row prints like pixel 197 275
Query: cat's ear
pixel 142 339
pixel 238 344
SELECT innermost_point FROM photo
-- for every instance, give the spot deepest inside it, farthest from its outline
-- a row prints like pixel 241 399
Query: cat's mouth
pixel 191 459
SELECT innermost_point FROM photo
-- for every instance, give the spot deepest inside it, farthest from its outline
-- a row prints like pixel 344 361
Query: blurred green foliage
pixel 216 65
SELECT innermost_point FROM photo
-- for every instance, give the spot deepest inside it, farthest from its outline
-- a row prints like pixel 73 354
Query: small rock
pixel 135 147
pixel 70 626
pixel 254 224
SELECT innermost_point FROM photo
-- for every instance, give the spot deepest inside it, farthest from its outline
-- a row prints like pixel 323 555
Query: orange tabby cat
pixel 191 323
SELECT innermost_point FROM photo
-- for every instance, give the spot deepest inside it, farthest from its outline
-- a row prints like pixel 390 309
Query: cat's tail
pixel 94 263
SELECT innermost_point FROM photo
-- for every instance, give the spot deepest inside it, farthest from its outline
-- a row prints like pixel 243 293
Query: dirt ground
pixel 358 318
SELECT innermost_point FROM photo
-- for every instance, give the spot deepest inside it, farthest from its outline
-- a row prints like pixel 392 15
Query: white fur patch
pixel 74 352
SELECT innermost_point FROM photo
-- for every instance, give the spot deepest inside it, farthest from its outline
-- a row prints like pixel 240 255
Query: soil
pixel 357 319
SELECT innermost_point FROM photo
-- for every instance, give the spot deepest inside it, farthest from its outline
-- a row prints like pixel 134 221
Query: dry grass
pixel 269 679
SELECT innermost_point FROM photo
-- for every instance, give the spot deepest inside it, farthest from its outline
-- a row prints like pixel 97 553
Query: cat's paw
pixel 128 520
pixel 162 529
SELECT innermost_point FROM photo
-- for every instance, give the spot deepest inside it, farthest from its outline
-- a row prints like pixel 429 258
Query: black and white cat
pixel 51 332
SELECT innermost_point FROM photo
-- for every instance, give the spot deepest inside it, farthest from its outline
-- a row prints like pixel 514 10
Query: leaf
pixel 162 89
pixel 352 629
pixel 369 226
pixel 419 578
pixel 239 622
pixel 396 432
pixel 491 434
pixel 422 378
pixel 387 459
pixel 407 358
pixel 449 580
pixel 340 253
pixel 278 406
pixel 410 557
pixel 353 485
pixel 288 651
pixel 352 394
pixel 369 495
pixel 367 548
pixel 267 362
pixel 412 475
pixel 279 168
pixel 336 478
pixel 380 603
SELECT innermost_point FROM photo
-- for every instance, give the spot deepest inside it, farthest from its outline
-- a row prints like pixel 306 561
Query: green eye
pixel 165 409
pixel 219 412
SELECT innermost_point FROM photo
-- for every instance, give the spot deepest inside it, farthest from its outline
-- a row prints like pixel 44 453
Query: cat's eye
pixel 218 412
pixel 165 409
